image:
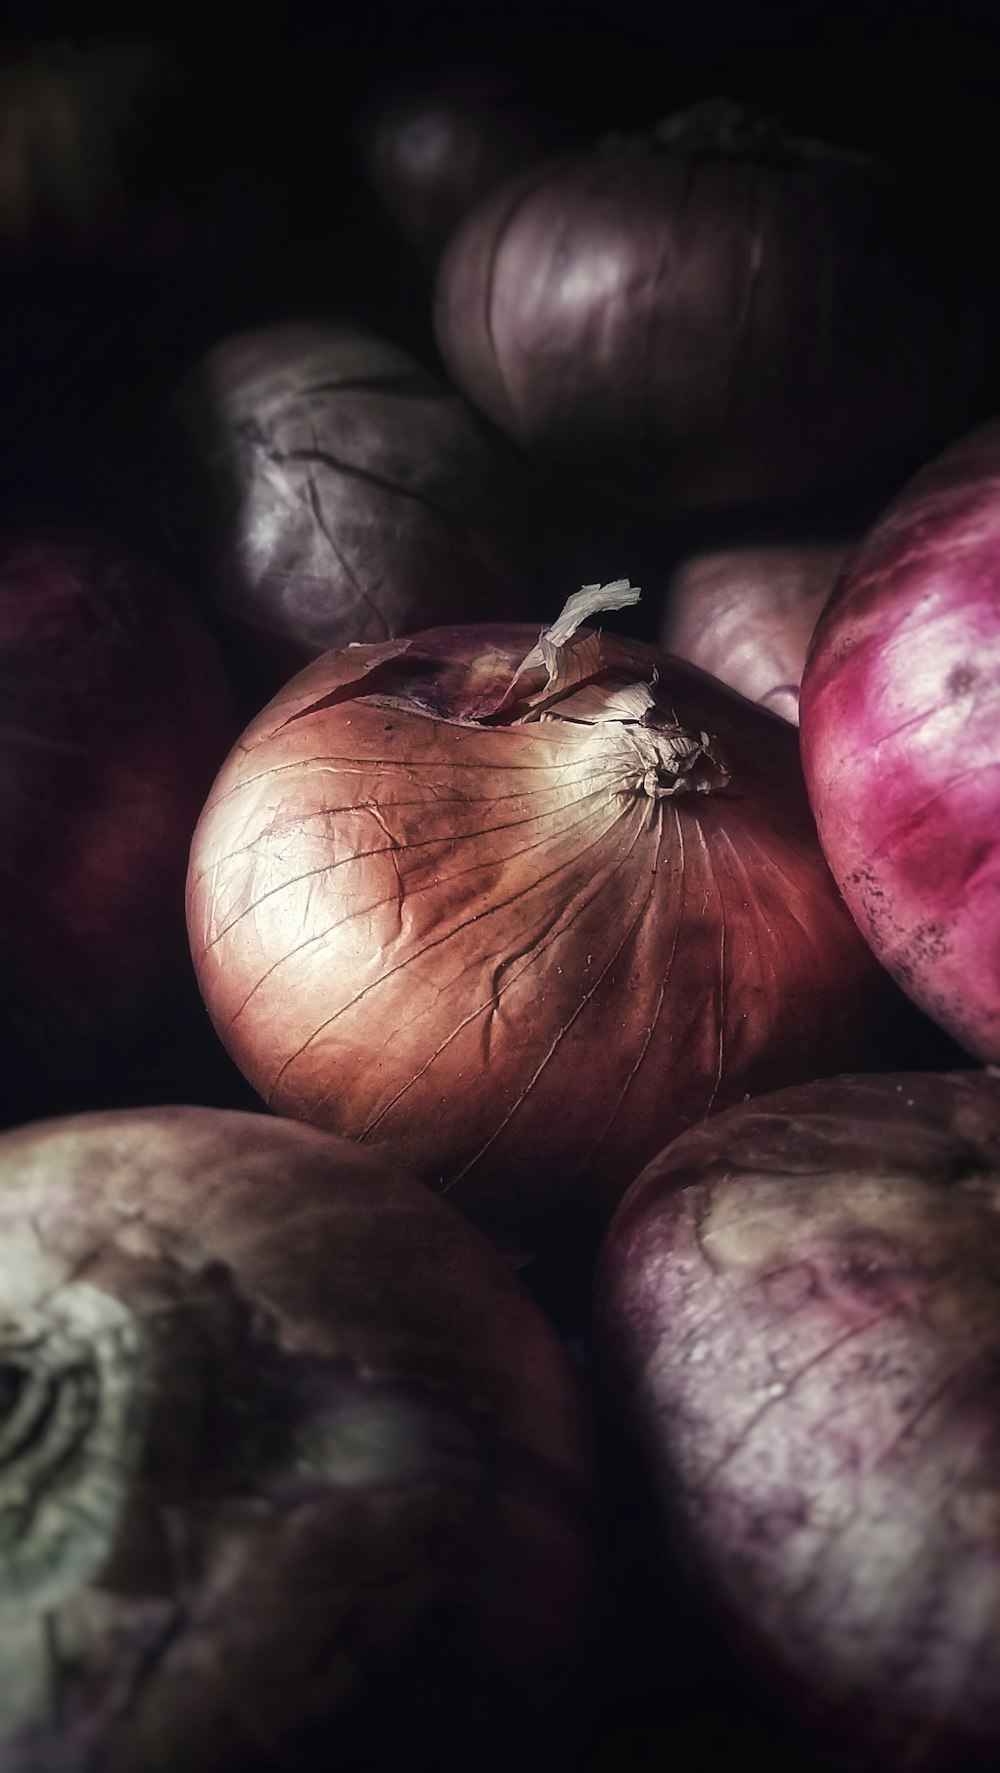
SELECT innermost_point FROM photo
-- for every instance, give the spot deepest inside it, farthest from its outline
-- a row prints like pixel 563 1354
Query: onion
pixel 901 739
pixel 715 316
pixel 432 147
pixel 114 717
pixel 335 491
pixel 799 1314
pixel 271 1416
pixel 747 614
pixel 523 907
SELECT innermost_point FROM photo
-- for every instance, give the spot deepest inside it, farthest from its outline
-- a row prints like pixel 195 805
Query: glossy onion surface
pixel 900 715
pixel 798 1312
pixel 524 910
pixel 270 1413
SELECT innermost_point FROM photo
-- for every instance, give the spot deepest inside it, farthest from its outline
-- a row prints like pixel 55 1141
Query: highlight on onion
pixel 746 614
pixel 716 316
pixel 332 490
pixel 798 1314
pixel 523 906
pixel 114 716
pixel 278 1428
pixel 901 739
pixel 431 146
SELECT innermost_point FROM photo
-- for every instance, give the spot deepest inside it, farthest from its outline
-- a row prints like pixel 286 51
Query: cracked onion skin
pixel 327 489
pixel 797 1312
pixel 274 1422
pixel 715 316
pixel 438 900
pixel 900 731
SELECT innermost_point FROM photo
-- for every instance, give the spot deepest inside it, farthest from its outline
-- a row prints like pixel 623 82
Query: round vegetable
pixel 715 316
pixel 901 739
pixel 747 614
pixel 798 1306
pixel 270 1416
pixel 114 717
pixel 432 147
pixel 335 491
pixel 524 907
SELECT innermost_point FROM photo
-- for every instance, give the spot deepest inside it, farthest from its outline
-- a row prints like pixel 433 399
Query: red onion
pixel 747 614
pixel 433 147
pixel 715 316
pixel 114 717
pixel 799 1314
pixel 333 491
pixel 901 739
pixel 523 907
pixel 275 1425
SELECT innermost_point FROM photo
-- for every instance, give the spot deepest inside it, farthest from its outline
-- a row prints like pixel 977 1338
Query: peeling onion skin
pixel 114 715
pixel 900 716
pixel 328 489
pixel 797 1312
pixel 287 1412
pixel 494 947
pixel 746 614
pixel 718 319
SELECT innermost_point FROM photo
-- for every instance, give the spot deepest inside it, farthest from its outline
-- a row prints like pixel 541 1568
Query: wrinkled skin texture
pixel 114 716
pixel 492 926
pixel 798 1311
pixel 267 1410
pixel 747 615
pixel 706 323
pixel 331 490
pixel 900 718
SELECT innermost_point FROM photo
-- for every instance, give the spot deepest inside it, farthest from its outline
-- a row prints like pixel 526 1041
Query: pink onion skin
pixel 329 1421
pixel 329 489
pixel 900 717
pixel 746 614
pixel 798 1313
pixel 490 947
pixel 116 715
pixel 714 322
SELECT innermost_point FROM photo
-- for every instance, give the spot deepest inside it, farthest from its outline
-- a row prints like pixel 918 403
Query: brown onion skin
pixel 746 614
pixel 712 323
pixel 328 489
pixel 488 946
pixel 798 1314
pixel 344 1425
pixel 115 714
pixel 900 715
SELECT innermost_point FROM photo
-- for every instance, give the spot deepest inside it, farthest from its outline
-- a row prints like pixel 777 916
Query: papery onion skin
pixel 746 614
pixel 715 317
pixel 900 717
pixel 494 946
pixel 315 1418
pixel 328 489
pixel 798 1314
pixel 115 713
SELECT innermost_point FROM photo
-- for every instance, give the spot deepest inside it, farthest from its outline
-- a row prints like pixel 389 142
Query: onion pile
pixel 331 490
pixel 523 907
pixel 799 1312
pixel 273 1421
pixel 747 615
pixel 901 739
pixel 716 316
